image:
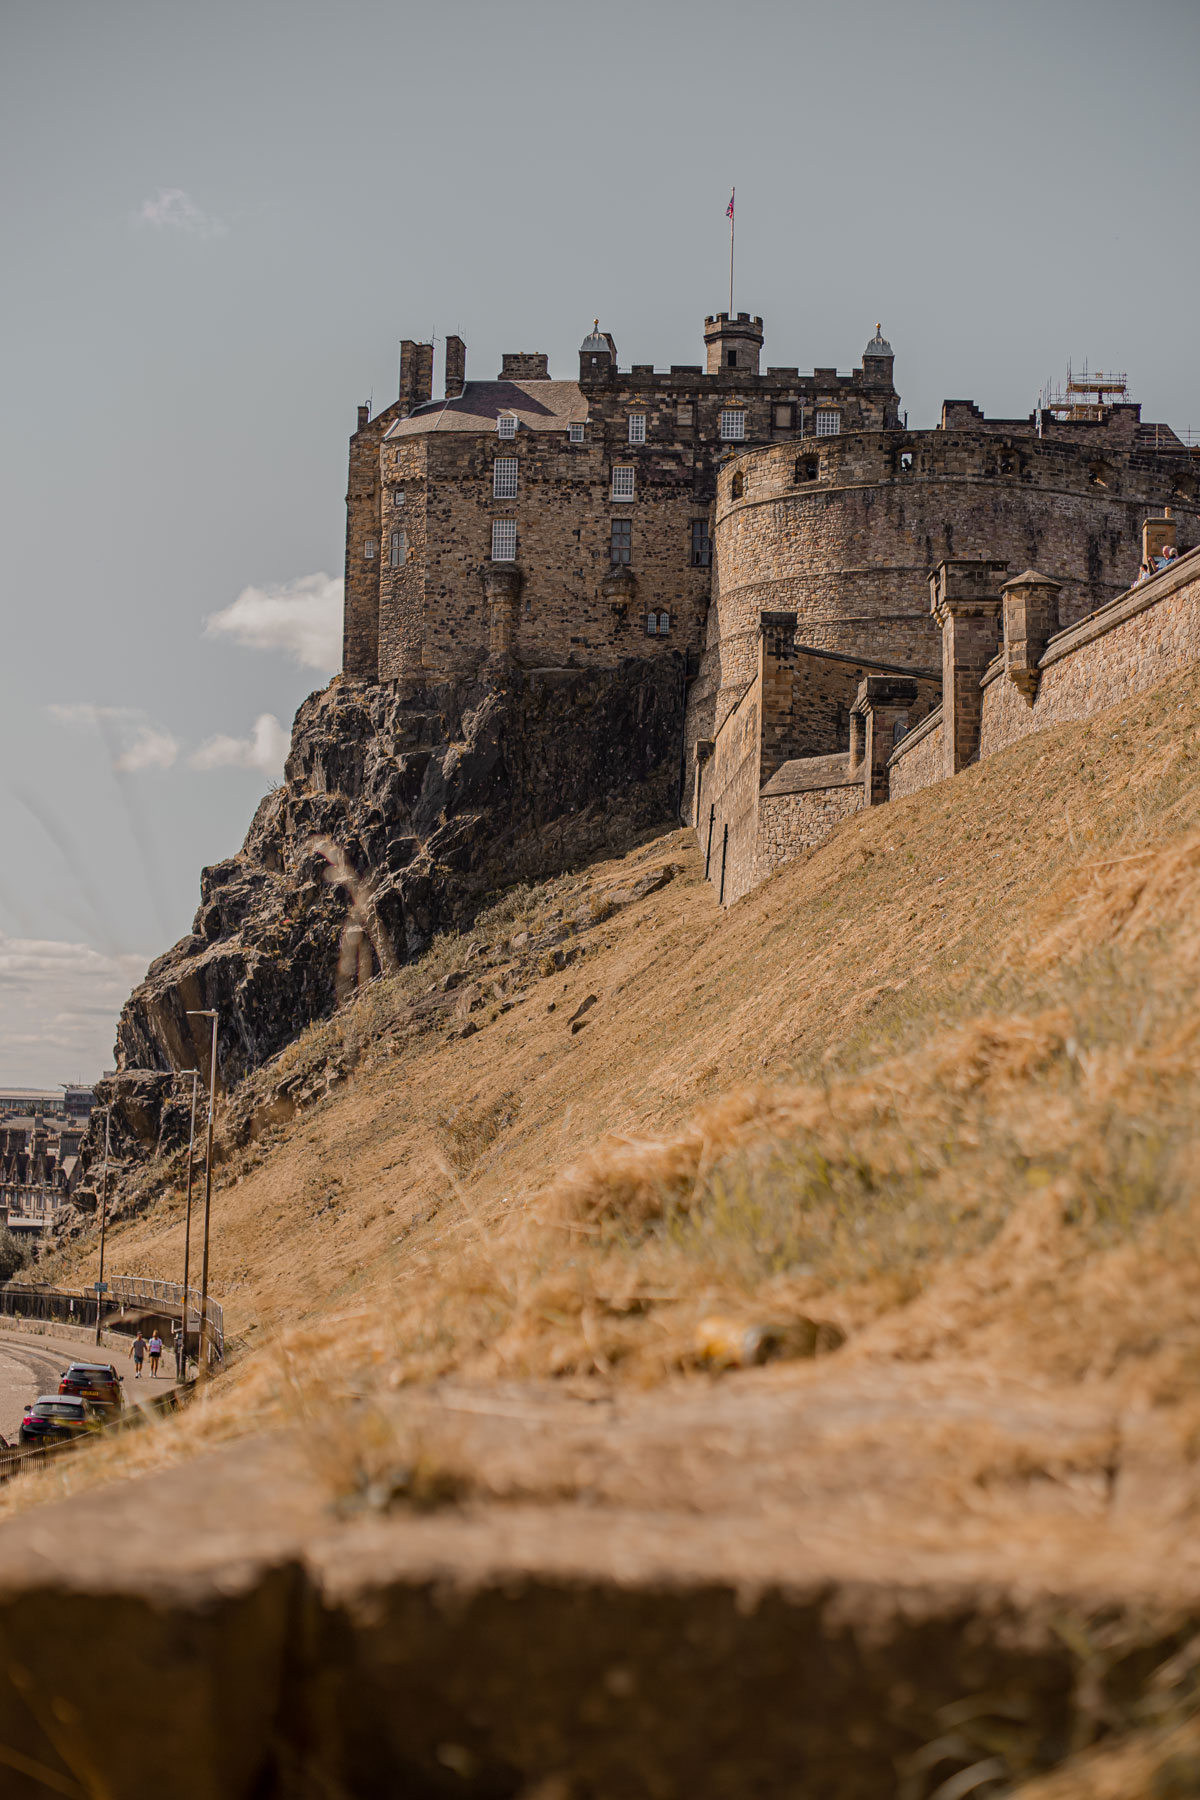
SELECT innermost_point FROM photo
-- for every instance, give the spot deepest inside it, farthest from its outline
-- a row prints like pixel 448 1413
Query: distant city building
pixel 39 1168
pixel 73 1102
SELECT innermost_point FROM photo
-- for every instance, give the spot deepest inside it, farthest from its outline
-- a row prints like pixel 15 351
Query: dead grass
pixel 937 1085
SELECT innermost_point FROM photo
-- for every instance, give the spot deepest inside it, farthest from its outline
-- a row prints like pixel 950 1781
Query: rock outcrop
pixel 398 815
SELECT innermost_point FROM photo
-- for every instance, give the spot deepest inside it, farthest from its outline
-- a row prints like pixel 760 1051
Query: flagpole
pixel 732 198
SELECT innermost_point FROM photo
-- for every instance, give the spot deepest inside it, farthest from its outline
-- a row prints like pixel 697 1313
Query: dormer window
pixel 637 428
pixel 575 432
pixel 506 425
pixel 733 424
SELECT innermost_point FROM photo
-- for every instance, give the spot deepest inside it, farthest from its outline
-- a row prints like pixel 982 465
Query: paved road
pixel 31 1365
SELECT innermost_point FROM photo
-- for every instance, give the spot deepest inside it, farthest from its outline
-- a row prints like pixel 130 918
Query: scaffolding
pixel 1087 395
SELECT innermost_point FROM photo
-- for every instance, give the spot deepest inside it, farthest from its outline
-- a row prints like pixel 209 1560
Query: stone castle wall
pixel 1132 644
pixel 920 758
pixel 567 609
pixel 844 531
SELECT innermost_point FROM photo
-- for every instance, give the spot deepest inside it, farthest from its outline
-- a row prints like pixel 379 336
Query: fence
pixel 67 1306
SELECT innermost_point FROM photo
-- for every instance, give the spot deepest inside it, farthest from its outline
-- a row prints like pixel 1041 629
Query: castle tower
pixel 878 361
pixel 597 356
pixel 733 343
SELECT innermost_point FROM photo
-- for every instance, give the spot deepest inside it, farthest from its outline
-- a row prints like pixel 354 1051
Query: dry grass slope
pixel 935 1086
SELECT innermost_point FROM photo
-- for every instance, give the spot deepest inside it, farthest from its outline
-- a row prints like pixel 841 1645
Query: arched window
pixel 664 624
pixel 739 485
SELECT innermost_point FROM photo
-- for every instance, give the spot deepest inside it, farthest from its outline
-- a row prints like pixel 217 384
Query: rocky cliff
pixel 396 817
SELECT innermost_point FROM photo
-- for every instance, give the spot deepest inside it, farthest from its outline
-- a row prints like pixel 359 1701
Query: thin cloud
pixel 134 740
pixel 264 749
pixel 60 1003
pixel 171 209
pixel 303 618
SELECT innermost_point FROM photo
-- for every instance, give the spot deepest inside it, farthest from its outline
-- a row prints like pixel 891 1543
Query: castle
pixel 776 533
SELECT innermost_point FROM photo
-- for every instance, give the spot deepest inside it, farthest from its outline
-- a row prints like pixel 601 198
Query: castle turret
pixel 878 361
pixel 733 343
pixel 597 356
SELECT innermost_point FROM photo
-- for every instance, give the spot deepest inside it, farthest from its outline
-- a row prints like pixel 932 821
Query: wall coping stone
pixel 808 774
pixel 1181 573
pixel 913 737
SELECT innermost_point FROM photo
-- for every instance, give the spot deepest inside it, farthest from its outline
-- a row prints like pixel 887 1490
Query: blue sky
pixel 219 221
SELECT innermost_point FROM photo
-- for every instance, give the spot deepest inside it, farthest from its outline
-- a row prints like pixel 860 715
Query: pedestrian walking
pixel 180 1354
pixel 155 1347
pixel 138 1352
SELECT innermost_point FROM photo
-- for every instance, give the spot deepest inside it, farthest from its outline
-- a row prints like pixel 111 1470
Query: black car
pixel 97 1382
pixel 57 1418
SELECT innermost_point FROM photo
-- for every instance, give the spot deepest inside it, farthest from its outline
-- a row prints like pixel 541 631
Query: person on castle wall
pixel 1169 554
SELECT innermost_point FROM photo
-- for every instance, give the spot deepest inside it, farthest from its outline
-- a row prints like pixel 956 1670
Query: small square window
pixel 575 430
pixel 399 548
pixel 397 496
pixel 829 424
pixel 368 549
pixel 622 483
pixel 733 424
pixel 637 428
pixel 701 548
pixel 504 478
pixel 622 540
pixel 506 425
pixel 685 414
pixel 504 540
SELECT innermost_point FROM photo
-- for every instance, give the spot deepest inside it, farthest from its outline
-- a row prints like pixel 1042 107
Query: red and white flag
pixel 729 208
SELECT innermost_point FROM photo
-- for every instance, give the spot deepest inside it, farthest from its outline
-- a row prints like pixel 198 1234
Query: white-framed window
pixel 506 425
pixel 637 428
pixel 504 540
pixel 575 431
pixel 733 424
pixel 829 422
pixel 622 482
pixel 658 624
pixel 368 549
pixel 399 548
pixel 504 478
pixel 397 496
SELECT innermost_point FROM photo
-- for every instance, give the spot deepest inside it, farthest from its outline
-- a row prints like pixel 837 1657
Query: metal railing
pixel 69 1306
pixel 170 1294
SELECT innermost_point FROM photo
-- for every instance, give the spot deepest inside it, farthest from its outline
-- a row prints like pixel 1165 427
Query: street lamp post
pixel 181 1371
pixel 103 1220
pixel 207 1013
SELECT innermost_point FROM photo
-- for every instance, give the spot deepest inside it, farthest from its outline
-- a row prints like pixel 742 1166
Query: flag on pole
pixel 729 208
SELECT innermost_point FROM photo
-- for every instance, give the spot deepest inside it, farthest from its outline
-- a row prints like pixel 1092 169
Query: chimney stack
pixel 456 367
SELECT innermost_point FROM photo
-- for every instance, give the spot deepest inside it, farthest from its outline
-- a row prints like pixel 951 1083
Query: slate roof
pixel 539 405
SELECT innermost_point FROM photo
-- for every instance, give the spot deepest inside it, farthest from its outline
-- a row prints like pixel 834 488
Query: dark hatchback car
pixel 56 1418
pixel 97 1382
